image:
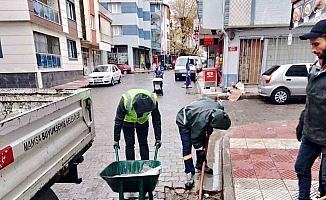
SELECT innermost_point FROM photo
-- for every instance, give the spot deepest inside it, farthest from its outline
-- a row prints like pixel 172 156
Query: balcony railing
pixel 45 60
pixel 46 12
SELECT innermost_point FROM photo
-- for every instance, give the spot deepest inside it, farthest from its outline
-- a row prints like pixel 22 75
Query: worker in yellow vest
pixel 133 112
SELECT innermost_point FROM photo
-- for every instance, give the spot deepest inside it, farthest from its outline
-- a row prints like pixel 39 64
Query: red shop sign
pixel 233 48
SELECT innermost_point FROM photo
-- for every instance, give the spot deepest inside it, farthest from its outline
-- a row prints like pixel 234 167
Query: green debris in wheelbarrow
pixel 133 176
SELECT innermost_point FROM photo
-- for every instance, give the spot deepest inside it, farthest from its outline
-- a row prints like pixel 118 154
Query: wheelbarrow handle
pixel 156 152
pixel 116 151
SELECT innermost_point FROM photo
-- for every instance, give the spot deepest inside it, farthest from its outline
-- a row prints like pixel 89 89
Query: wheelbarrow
pixel 133 175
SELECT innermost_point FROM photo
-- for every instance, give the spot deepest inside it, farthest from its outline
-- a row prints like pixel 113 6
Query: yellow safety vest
pixel 128 103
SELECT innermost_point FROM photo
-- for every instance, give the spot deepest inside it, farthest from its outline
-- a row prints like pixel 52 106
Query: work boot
pixel 208 170
pixel 189 181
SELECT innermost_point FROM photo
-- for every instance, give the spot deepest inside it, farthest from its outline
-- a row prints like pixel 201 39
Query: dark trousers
pixel 185 135
pixel 129 135
pixel 307 155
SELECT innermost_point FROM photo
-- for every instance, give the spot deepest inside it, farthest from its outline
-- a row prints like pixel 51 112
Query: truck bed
pixel 41 132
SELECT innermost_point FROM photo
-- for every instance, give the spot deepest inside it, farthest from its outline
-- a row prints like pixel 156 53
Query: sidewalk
pixel 251 92
pixel 258 162
pixel 83 82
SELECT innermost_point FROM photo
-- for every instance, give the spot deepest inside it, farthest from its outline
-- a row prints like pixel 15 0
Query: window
pixel 117 30
pixel 72 49
pixel 116 7
pixel 92 22
pixel 271 70
pixel 1 55
pixel 297 70
pixel 45 11
pixel 71 10
pixel 47 50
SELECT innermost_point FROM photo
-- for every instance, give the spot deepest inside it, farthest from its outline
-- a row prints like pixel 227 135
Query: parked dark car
pixel 124 68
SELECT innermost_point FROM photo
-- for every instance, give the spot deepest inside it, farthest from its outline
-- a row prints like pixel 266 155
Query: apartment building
pixel 96 40
pixel 39 43
pixel 131 29
pixel 249 36
pixel 160 30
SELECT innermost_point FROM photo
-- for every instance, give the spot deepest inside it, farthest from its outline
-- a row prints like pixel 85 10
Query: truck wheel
pixel 47 194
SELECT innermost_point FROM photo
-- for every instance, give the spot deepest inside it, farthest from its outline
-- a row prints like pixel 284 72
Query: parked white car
pixel 105 74
pixel 280 82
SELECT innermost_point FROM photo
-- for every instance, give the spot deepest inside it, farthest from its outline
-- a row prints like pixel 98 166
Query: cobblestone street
pixel 105 100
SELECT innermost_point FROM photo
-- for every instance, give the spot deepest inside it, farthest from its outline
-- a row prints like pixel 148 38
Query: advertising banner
pixel 304 11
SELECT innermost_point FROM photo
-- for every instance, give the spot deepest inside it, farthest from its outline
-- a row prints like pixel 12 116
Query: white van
pixel 180 67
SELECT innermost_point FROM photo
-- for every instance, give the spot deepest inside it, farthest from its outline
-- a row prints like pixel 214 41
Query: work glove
pixel 116 145
pixel 158 143
pixel 201 155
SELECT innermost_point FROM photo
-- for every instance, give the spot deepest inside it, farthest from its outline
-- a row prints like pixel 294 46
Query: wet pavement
pixel 254 123
pixel 101 154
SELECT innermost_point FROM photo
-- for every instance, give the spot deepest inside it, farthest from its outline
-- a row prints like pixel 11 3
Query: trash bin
pixel 210 77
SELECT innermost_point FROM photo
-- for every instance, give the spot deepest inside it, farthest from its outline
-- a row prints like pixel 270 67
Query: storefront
pixel 119 55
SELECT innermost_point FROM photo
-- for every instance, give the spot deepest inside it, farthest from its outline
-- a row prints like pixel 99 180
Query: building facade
pixel 248 37
pixel 160 30
pixel 40 43
pixel 131 32
pixel 97 33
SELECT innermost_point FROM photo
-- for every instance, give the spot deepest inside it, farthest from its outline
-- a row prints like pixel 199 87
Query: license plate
pixel 183 75
pixel 98 80
pixel 157 87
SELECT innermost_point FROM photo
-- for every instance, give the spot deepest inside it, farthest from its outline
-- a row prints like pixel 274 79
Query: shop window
pixel 72 49
pixel 71 10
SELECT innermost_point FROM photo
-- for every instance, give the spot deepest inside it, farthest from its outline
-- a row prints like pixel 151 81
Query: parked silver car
pixel 280 82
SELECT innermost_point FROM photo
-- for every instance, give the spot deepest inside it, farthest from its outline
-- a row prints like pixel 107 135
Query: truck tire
pixel 47 194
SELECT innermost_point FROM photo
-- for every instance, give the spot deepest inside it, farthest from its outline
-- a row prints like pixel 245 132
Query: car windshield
pixel 271 70
pixel 183 61
pixel 101 68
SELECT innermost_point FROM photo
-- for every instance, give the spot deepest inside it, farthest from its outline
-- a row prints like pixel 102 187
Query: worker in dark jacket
pixel 311 130
pixel 133 113
pixel 195 121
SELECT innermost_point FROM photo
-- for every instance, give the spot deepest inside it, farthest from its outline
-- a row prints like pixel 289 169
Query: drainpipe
pixel 225 58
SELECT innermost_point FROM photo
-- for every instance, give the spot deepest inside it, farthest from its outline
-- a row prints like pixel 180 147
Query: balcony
pixel 45 60
pixel 46 12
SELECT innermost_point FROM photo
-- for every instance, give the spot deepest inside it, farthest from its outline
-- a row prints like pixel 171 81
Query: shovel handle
pixel 116 151
pixel 201 184
pixel 156 152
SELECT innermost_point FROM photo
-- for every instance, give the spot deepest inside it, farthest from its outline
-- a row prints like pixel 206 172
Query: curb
pixel 227 181
pixel 224 96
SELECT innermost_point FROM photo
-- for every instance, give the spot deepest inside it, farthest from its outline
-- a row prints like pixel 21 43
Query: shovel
pixel 202 175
